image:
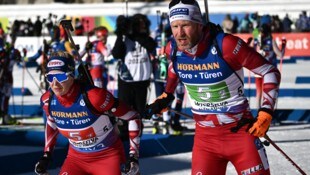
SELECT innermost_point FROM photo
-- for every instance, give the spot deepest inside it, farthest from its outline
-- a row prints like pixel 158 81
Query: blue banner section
pixel 25 110
pixel 304 92
pixel 302 80
pixel 21 91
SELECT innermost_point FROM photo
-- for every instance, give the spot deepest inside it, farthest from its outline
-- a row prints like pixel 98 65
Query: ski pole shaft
pixel 181 113
pixel 68 27
pixel 207 10
pixel 285 155
pixel 282 53
pixel 40 89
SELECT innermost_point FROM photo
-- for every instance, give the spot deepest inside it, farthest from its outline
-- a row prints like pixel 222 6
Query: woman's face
pixel 60 82
pixel 186 33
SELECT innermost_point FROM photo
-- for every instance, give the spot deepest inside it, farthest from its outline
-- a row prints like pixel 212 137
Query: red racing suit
pixel 213 77
pixel 97 55
pixel 94 144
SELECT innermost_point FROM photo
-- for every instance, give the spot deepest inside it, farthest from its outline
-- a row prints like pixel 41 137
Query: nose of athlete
pixel 55 81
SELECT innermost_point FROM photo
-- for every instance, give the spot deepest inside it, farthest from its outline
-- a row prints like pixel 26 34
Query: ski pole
pixel 25 54
pixel 283 153
pixel 66 24
pixel 40 89
pixel 207 11
pixel 282 52
pixel 181 113
pixel 23 84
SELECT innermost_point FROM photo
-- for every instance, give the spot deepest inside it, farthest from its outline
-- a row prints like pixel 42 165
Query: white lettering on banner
pixel 298 44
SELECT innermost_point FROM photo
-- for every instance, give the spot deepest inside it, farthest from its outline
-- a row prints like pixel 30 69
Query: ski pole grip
pixel 67 24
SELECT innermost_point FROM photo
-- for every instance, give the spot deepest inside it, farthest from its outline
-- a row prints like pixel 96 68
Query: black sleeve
pixel 147 42
pixel 119 49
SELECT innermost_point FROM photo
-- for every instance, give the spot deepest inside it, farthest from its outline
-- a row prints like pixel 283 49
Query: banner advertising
pixel 297 44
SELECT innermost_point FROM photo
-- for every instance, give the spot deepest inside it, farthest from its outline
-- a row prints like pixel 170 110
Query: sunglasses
pixel 60 77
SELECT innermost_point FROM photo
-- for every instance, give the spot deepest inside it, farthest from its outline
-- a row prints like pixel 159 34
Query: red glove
pixel 261 126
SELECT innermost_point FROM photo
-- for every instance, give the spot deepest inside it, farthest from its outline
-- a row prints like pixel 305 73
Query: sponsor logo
pixel 201 75
pixel 211 106
pixel 198 67
pixel 237 48
pixel 213 51
pixel 179 11
pixel 85 143
pixel 55 63
pixel 69 114
pixel 252 170
pixel 82 103
pixel 106 102
pixel 79 122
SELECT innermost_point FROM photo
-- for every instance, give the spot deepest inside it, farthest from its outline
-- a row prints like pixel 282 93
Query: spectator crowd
pixel 230 24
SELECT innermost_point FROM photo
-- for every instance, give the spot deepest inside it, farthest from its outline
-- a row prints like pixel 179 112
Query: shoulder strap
pixel 91 107
pixel 50 100
pixel 87 101
pixel 216 32
pixel 174 49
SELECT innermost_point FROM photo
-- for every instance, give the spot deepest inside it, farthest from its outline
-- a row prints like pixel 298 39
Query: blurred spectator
pixel 9 55
pixel 1 30
pixel 266 45
pixel 254 20
pixel 302 23
pixel 133 48
pixel 97 53
pixel 49 23
pixel 265 19
pixel 276 24
pixel 287 23
pixel 227 24
pixel 38 27
pixel 245 25
pixel 236 24
pixel 79 28
pixel 29 28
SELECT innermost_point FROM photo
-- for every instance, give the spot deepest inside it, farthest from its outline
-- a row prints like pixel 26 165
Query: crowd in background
pixel 230 24
pixel 251 21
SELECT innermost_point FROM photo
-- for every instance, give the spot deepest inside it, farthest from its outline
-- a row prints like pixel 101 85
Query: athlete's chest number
pixel 211 93
pixel 82 134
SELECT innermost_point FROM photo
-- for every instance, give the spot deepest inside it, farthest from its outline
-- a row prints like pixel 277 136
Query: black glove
pixel 160 105
pixel 42 165
pixel 132 166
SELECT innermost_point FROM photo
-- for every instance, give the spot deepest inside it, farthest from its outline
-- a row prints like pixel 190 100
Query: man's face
pixel 186 33
pixel 60 82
